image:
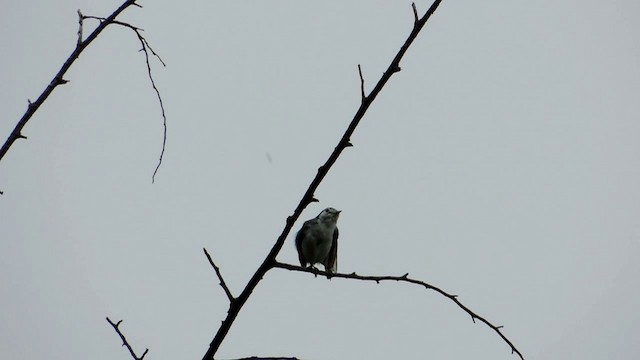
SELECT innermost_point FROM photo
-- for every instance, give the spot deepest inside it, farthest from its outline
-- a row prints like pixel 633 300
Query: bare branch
pixel 145 47
pixel 58 79
pixel 124 340
pixel 270 259
pixel 415 14
pixel 362 95
pixel 223 284
pixel 80 20
pixel 33 107
pixel 268 358
pixel 407 279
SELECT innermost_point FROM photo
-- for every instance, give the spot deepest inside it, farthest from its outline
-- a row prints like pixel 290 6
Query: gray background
pixel 501 164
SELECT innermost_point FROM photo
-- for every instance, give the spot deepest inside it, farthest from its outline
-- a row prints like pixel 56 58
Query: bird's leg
pixel 328 271
pixel 315 270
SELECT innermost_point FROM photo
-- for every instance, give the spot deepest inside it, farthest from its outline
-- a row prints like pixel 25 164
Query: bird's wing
pixel 332 259
pixel 299 236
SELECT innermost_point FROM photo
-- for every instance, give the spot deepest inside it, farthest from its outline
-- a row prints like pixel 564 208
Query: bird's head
pixel 329 215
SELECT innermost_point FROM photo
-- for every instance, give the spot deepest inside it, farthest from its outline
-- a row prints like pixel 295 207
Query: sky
pixel 501 164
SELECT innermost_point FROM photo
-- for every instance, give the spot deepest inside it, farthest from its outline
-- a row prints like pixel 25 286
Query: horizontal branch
pixel 407 279
pixel 267 358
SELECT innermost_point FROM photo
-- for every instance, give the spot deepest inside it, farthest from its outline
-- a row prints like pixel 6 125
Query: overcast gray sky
pixel 501 164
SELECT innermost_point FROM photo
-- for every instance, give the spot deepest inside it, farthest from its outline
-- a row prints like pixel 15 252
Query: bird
pixel 317 241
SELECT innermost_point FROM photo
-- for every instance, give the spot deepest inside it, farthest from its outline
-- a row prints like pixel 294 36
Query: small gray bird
pixel 317 241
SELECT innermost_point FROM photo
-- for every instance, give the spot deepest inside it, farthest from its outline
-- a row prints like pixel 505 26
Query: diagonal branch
pixel 307 198
pixel 58 79
pixel 407 279
pixel 223 284
pixel 124 340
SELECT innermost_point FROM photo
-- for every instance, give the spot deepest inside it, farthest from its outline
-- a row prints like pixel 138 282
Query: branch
pixel 58 79
pixel 222 283
pixel 415 14
pixel 124 340
pixel 80 46
pixel 145 47
pixel 407 279
pixel 363 97
pixel 307 198
pixel 268 358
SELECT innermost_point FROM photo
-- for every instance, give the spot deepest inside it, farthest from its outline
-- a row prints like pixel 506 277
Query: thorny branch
pixel 116 327
pixel 407 279
pixel 58 79
pixel 307 198
pixel 223 284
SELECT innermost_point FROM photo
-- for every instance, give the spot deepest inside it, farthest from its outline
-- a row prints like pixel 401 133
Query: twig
pixel 404 278
pixel 80 22
pixel 124 340
pixel 362 95
pixel 415 14
pixel 270 259
pixel 145 47
pixel 223 284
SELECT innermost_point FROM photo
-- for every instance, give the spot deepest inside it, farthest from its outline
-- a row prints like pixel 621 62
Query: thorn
pixel 405 275
pixel 20 136
pixel 396 69
pixel 62 81
pixel 313 200
pixel 348 144
pixel 499 327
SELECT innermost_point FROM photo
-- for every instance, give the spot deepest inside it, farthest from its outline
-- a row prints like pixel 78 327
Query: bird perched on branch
pixel 317 241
